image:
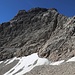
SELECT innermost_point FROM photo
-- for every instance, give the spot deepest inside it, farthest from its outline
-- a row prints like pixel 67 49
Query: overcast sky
pixel 9 8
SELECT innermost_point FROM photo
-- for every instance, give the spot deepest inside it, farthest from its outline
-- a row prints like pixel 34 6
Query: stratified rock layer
pixel 38 30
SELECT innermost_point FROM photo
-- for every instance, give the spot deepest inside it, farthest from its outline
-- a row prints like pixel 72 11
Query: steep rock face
pixel 61 42
pixel 38 30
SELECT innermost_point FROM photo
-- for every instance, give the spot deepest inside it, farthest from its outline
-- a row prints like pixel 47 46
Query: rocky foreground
pixel 64 69
pixel 33 65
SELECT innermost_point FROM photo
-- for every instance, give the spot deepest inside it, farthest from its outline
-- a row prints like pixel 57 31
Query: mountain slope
pixel 64 69
pixel 33 65
pixel 41 30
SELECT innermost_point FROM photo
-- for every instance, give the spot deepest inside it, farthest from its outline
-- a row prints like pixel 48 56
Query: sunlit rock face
pixel 41 30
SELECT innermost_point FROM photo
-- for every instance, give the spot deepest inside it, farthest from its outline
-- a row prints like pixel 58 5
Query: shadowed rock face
pixel 38 30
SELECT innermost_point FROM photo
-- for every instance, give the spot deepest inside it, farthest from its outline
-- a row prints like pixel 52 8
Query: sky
pixel 9 8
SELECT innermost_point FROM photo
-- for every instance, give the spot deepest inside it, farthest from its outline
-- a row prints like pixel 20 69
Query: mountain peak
pixel 37 9
pixel 41 30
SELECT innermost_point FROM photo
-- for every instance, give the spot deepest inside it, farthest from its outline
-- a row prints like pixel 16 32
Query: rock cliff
pixel 41 30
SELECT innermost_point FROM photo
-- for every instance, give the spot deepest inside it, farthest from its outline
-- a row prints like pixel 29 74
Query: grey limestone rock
pixel 41 30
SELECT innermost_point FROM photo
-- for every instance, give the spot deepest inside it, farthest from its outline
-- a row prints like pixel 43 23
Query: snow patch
pixel 1 62
pixel 46 14
pixel 71 60
pixel 7 61
pixel 57 63
pixel 26 64
pixel 42 61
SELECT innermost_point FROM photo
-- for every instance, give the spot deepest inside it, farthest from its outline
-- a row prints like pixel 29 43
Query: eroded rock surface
pixel 38 30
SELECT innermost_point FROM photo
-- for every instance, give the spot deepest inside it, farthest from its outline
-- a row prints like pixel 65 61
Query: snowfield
pixel 26 64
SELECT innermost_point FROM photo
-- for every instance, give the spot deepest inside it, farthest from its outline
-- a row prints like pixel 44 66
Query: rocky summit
pixel 38 30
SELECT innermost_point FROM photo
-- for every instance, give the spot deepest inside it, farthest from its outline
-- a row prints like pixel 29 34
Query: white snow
pixel 42 61
pixel 7 61
pixel 71 60
pixel 1 62
pixel 25 64
pixel 46 14
pixel 57 63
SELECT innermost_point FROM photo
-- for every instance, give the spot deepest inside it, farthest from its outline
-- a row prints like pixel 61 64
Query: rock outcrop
pixel 41 30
